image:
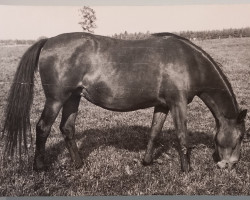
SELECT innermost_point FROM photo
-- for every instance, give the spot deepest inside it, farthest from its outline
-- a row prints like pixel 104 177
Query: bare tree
pixel 88 19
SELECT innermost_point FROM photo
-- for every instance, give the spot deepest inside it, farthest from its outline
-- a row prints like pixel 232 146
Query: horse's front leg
pixel 179 114
pixel 160 114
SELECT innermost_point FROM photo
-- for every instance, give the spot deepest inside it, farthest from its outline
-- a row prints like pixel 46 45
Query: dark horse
pixel 164 71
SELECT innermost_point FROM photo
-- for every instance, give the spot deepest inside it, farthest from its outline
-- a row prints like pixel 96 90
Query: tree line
pixel 217 34
pixel 193 35
pixel 17 42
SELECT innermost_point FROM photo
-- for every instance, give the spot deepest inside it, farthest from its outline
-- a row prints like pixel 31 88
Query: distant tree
pixel 88 19
pixel 125 35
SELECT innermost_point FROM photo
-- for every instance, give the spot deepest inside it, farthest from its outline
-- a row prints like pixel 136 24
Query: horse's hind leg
pixel 179 113
pixel 67 127
pixel 160 114
pixel 49 114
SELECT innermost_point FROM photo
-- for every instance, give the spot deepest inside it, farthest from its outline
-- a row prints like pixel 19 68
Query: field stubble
pixel 112 144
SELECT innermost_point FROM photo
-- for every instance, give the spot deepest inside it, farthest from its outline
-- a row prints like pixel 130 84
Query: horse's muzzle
pixel 226 164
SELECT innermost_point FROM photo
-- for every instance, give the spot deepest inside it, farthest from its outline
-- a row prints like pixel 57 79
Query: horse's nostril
pixel 231 165
pixel 226 166
pixel 222 164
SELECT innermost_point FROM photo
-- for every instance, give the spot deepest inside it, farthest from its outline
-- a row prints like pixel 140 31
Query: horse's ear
pixel 242 116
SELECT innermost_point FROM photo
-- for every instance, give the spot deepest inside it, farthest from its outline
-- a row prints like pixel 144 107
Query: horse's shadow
pixel 131 138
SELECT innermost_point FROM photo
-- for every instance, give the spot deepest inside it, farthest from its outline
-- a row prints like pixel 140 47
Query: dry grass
pixel 112 144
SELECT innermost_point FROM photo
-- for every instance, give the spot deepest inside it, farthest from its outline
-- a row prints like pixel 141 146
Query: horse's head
pixel 228 141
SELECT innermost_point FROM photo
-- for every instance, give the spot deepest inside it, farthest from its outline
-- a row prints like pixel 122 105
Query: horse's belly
pixel 119 98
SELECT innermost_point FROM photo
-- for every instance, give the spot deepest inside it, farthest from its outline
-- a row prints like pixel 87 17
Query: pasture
pixel 112 144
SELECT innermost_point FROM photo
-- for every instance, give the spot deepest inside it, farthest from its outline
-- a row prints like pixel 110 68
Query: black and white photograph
pixel 124 98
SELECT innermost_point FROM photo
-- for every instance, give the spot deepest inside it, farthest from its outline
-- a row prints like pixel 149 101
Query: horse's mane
pixel 162 34
pixel 216 64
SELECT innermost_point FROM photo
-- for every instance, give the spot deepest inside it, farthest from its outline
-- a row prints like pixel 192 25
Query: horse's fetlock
pixel 66 130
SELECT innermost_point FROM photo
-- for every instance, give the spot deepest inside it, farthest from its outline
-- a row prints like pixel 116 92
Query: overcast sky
pixel 31 22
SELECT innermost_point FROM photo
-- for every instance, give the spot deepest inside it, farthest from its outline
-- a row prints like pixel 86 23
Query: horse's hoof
pixel 78 165
pixel 186 168
pixel 40 168
pixel 146 163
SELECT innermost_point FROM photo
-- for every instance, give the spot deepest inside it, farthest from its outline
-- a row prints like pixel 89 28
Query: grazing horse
pixel 164 71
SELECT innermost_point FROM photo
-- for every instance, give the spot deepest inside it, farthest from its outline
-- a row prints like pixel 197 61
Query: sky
pixel 31 22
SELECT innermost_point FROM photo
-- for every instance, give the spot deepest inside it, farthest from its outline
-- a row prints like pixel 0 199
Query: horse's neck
pixel 221 103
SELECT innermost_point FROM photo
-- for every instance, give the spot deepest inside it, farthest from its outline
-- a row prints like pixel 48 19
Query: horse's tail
pixel 17 115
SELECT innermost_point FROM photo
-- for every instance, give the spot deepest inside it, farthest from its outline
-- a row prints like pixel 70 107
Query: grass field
pixel 112 144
